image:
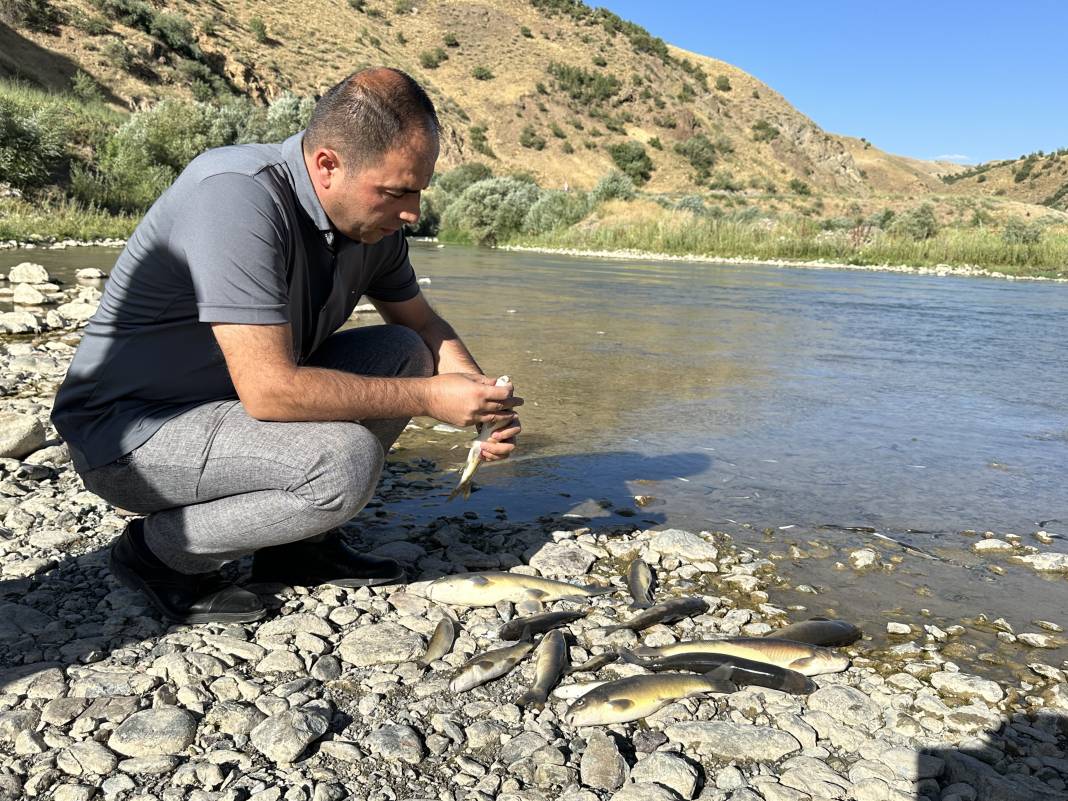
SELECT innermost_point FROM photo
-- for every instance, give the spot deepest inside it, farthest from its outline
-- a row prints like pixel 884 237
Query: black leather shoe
pixel 180 597
pixel 328 561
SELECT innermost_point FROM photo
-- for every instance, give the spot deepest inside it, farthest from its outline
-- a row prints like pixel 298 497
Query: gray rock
pixel 864 558
pixel 814 777
pixel 15 721
pixel 28 273
pixel 73 792
pixel 341 750
pixel 18 322
pixel 398 743
pixel 992 786
pixel 737 741
pixel 77 311
pixel 149 765
pixel 234 718
pixel 520 747
pixel 20 435
pixel 298 623
pixel 283 737
pixel 686 546
pixel 645 791
pixel 668 770
pixel 602 766
pixel 26 295
pixel 1046 562
pixel 87 757
pixel 847 705
pixel 381 644
pixel 967 686
pixel 562 560
pixel 152 732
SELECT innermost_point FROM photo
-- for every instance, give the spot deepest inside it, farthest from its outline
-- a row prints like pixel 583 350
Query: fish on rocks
pixel 490 665
pixel 474 453
pixel 819 631
pixel 811 660
pixel 593 663
pixel 736 669
pixel 640 580
pixel 636 697
pixel 667 612
pixel 569 692
pixel 440 642
pixel 491 587
pixel 552 658
pixel 538 624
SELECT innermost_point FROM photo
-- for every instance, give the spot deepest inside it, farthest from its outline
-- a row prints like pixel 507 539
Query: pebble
pixel 284 736
pixel 602 766
pixel 167 730
pixel 398 743
pixel 667 770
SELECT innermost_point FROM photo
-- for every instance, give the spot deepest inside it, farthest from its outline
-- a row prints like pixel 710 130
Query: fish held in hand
pixel 482 668
pixel 440 643
pixel 640 581
pixel 636 697
pixel 737 669
pixel 811 660
pixel 491 587
pixel 474 453
pixel 667 612
pixel 552 658
pixel 537 624
pixel 819 631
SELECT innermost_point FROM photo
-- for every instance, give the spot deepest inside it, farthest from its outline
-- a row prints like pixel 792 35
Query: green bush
pixel 614 186
pixel 701 153
pixel 799 187
pixel 431 59
pixel 479 141
pixel 880 219
pixel 918 223
pixel 404 6
pixel 1024 170
pixel 526 32
pixel 429 218
pixel 451 40
pixel 90 23
pixel 655 143
pixel 568 148
pixel 83 87
pixel 37 15
pixel 724 180
pixel 482 73
pixel 764 131
pixel 557 131
pixel 723 83
pixel 1017 232
pixel 600 61
pixel 555 209
pixel 259 29
pixel 632 160
pixel 529 138
pixel 490 210
pixel 695 204
pixel 32 144
pixel 450 185
pixel 583 85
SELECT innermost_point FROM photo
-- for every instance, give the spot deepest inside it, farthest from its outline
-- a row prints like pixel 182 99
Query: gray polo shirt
pixel 240 237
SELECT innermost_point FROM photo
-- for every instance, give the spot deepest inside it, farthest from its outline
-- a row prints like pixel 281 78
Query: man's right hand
pixel 467 399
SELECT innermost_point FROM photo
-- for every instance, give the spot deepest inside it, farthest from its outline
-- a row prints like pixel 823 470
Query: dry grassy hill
pixel 1039 178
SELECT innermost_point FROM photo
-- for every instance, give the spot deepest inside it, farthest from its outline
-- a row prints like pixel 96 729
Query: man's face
pixel 375 200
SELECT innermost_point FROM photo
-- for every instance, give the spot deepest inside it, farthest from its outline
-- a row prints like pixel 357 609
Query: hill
pixel 1037 178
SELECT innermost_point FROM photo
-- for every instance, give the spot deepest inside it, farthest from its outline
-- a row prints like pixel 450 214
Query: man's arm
pixel 272 386
pixel 449 352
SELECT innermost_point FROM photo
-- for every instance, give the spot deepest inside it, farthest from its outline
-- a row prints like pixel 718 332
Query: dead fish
pixel 819 631
pixel 513 629
pixel 440 643
pixel 594 663
pixel 569 692
pixel 666 612
pixel 811 660
pixel 636 697
pixel 488 666
pixel 640 579
pixel 490 588
pixel 552 657
pixel 735 668
pixel 474 453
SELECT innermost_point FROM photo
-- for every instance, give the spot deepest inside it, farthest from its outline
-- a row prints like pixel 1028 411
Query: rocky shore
pixel 323 700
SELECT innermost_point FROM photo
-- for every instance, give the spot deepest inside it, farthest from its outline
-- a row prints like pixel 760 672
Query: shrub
pixel 450 185
pixel 723 83
pixel 259 29
pixel 357 5
pixel 479 141
pixel 600 61
pixel 724 180
pixel 176 32
pixel 429 218
pixel 557 131
pixel 614 186
pixel 451 40
pixel 568 148
pixel 31 143
pixel 756 95
pixel 695 204
pixel 555 209
pixel 880 219
pixel 1024 170
pixel 90 23
pixel 491 210
pixel 799 187
pixel 482 73
pixel 529 138
pixel 1017 232
pixel 632 160
pixel 404 6
pixel 526 32
pixel 37 15
pixel 686 93
pixel 764 131
pixel 430 59
pixel 655 143
pixel 83 87
pixel 583 85
pixel 701 153
pixel 918 223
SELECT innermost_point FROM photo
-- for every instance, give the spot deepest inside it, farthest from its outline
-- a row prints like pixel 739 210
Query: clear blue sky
pixel 975 80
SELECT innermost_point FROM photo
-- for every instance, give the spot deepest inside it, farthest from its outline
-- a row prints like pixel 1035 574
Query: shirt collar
pixel 293 153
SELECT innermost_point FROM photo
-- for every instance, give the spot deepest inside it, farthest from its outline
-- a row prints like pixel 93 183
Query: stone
pixel 89 274
pixel 87 757
pixel 669 771
pixel 280 662
pixel 864 558
pixel 76 311
pixel 992 546
pixel 967 686
pixel 73 792
pixel 1046 562
pixel 519 747
pixel 1036 640
pixel 20 435
pixel 381 644
pixel 990 785
pixel 602 766
pixel 737 741
pixel 685 545
pixel 26 295
pixel 19 322
pixel 397 742
pixel 149 765
pixel 645 791
pixel 298 623
pixel 847 705
pixel 152 732
pixel 283 737
pixel 14 722
pixel 562 560
pixel 28 273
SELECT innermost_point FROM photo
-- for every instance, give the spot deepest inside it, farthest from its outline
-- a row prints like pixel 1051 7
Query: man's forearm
pixel 449 352
pixel 316 393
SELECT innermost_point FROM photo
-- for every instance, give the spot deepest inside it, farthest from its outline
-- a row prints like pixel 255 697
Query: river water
pixel 828 406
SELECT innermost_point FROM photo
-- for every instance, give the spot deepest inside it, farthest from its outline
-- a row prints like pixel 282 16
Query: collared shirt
pixel 240 237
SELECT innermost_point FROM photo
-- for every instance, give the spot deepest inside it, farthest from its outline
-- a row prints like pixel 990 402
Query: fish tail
pixel 636 604
pixel 597 589
pixel 532 698
pixel 721 673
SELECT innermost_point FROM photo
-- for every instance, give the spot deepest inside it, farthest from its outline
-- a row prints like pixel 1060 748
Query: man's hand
pixel 467 399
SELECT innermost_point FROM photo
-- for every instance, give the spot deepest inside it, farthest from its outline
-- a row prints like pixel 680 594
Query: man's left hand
pixel 502 441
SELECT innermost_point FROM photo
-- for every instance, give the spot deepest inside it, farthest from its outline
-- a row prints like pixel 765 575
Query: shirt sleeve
pixel 232 237
pixel 394 279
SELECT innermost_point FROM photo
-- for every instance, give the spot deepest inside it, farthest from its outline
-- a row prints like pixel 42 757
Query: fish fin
pixel 527 635
pixel 596 589
pixel 641 604
pixel 531 698
pixel 536 594
pixel 725 687
pixel 722 673
pixel 481 581
pixel 621 703
pixel 629 656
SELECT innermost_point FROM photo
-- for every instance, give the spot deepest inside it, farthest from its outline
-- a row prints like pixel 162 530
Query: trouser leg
pixel 218 484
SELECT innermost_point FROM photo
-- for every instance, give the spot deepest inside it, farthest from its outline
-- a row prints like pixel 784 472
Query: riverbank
pixel 323 699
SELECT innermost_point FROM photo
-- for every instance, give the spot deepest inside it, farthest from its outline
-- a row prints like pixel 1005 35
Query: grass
pixel 26 222
pixel 622 226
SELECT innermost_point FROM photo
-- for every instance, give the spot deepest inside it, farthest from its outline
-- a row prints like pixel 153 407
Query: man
pixel 210 391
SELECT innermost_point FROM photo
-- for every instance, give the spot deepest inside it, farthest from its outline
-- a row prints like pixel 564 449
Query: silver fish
pixel 666 612
pixel 593 663
pixel 440 643
pixel 636 697
pixel 733 668
pixel 513 629
pixel 488 666
pixel 569 692
pixel 552 657
pixel 640 580
pixel 811 660
pixel 819 631
pixel 490 588
pixel 474 453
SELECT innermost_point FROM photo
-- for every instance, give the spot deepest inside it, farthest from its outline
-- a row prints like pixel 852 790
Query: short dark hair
pixel 369 113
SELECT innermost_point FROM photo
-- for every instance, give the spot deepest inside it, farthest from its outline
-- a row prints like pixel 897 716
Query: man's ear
pixel 327 164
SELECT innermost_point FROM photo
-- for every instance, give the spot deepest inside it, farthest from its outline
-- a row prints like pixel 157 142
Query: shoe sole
pixel 132 581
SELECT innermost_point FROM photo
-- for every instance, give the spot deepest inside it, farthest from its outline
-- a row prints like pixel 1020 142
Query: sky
pixel 961 81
